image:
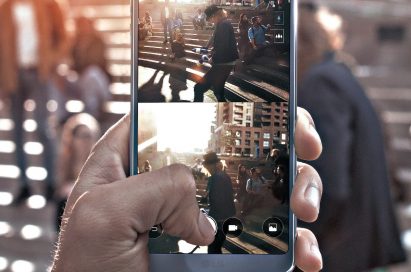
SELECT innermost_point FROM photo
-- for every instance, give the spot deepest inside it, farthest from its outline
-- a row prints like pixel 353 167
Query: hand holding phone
pixel 109 214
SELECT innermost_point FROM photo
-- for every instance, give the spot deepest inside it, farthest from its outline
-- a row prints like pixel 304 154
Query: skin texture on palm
pixel 108 215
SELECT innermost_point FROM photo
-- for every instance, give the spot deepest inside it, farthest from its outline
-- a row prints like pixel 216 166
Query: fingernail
pixel 312 195
pixel 316 252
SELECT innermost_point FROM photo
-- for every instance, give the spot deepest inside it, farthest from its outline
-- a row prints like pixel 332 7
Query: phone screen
pixel 212 92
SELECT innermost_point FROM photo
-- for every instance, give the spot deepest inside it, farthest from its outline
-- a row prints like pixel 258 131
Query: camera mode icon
pixel 233 227
pixel 273 227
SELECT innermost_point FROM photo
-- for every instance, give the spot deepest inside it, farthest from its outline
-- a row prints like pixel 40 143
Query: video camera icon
pixel 232 227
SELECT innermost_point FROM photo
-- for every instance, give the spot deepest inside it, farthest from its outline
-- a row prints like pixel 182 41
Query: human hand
pixel 107 218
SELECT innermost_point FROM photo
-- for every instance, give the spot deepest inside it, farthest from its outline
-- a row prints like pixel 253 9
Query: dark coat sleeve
pixel 332 117
pixel 225 44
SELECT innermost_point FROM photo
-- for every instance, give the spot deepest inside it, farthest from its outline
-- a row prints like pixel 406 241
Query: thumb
pixel 168 197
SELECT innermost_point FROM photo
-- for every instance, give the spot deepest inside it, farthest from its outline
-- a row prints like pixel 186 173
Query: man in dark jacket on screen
pixel 223 58
pixel 221 199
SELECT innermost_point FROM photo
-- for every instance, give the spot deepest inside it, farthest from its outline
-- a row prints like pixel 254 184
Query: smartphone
pixel 214 88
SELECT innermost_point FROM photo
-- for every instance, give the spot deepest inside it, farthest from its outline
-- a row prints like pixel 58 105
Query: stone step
pixel 166 49
pixel 155 43
pixel 270 93
pixel 99 11
pixel 199 42
pixel 396 128
pixel 185 29
pixel 257 87
pixel 269 75
pixel 113 38
pixel 120 72
pixel 402 158
pixel 389 94
pixel 392 105
pixel 233 93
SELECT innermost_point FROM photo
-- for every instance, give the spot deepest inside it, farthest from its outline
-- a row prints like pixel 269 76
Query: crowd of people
pixel 223 49
pixel 248 192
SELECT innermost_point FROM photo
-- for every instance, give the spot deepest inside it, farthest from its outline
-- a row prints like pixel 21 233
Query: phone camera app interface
pixel 213 92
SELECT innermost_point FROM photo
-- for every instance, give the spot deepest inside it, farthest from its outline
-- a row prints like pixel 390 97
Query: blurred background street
pixel 378 37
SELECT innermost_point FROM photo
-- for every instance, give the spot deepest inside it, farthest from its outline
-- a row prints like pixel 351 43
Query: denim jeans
pixel 30 86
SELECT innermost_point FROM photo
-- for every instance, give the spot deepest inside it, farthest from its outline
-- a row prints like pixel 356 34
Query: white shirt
pixel 26 34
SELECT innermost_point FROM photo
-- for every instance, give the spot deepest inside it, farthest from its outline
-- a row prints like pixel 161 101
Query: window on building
pixel 247 142
pixel 248 134
pixel 238 133
pixel 266 135
pixel 256 135
pixel 248 118
pixel 266 144
pixel 247 124
pixel 276 124
pixel 237 142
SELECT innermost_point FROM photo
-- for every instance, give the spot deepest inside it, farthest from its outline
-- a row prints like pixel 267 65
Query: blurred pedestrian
pixel 199 20
pixel 79 135
pixel 88 54
pixel 178 47
pixel 257 39
pixel 363 234
pixel 148 24
pixel 242 177
pixel 146 167
pixel 244 45
pixel 166 20
pixel 32 42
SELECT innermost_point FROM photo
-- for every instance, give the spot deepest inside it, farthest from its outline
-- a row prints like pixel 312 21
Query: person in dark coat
pixel 220 197
pixel 357 229
pixel 224 55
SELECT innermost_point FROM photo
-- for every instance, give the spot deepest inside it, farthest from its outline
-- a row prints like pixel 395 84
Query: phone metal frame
pixel 224 262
